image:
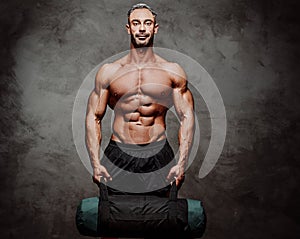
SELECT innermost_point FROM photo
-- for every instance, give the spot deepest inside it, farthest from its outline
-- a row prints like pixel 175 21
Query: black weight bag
pixel 140 216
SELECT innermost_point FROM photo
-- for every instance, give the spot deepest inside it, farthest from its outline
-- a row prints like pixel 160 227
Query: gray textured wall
pixel 251 50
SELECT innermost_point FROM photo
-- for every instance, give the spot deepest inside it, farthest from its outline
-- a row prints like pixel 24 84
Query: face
pixel 142 28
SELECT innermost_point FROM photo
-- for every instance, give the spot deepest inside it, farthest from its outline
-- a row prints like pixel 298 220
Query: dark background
pixel 250 48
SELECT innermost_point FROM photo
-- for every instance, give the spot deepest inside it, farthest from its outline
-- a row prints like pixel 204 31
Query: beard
pixel 143 44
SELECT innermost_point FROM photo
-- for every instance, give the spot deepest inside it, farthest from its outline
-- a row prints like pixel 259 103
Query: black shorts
pixel 139 169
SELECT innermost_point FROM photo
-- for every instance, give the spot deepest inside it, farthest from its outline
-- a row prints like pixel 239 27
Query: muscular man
pixel 140 88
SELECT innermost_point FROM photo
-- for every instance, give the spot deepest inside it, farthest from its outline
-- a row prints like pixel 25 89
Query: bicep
pixel 183 102
pixel 98 98
pixel 97 103
pixel 182 96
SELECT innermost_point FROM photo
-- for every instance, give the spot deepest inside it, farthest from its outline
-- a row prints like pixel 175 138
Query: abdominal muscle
pixel 137 128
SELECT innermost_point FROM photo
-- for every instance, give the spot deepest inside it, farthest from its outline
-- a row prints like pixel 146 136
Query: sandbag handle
pixel 173 192
pixel 172 214
pixel 103 209
pixel 103 192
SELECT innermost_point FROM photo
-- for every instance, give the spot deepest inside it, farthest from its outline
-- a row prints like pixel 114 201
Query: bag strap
pixel 103 192
pixel 173 205
pixel 103 209
pixel 173 192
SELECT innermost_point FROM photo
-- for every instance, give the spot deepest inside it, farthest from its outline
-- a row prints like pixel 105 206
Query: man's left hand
pixel 177 173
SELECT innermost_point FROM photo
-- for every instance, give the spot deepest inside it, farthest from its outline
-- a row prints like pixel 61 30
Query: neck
pixel 141 55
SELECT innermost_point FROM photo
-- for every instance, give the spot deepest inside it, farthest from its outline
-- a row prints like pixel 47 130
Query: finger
pixel 106 176
pixel 170 175
pixel 96 179
pixel 179 182
pixel 173 181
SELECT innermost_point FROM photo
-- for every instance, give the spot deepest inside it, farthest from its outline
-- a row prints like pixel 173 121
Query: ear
pixel 128 29
pixel 156 26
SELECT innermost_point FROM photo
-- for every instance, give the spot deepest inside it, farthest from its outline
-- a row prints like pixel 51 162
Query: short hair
pixel 140 6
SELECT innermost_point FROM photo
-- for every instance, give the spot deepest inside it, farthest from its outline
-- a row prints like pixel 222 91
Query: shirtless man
pixel 140 88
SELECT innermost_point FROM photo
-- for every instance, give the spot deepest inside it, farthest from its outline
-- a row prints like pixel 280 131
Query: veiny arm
pixel 96 108
pixel 184 106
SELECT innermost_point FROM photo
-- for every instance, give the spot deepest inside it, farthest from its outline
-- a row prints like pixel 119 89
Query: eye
pixel 148 23
pixel 135 23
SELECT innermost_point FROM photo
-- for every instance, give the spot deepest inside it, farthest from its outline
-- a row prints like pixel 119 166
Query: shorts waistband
pixel 153 145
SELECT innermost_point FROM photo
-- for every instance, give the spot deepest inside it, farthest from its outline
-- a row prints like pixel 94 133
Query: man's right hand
pixel 100 172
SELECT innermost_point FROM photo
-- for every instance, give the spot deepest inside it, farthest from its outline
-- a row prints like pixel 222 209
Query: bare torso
pixel 140 95
pixel 140 88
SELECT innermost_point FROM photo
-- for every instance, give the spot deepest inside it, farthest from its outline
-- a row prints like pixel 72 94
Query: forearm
pixel 186 134
pixel 93 139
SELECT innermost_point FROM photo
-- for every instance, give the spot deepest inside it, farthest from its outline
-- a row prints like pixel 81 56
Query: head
pixel 141 25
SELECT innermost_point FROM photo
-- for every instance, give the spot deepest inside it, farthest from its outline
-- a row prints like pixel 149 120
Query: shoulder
pixel 177 74
pixel 106 72
pixel 174 69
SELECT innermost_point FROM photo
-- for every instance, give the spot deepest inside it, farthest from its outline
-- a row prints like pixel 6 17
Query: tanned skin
pixel 140 88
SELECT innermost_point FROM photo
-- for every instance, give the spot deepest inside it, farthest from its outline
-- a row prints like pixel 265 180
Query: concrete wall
pixel 250 48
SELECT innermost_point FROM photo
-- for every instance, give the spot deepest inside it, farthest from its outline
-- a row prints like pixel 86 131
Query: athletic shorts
pixel 141 169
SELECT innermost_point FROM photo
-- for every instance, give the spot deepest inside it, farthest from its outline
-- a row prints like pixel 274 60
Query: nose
pixel 142 28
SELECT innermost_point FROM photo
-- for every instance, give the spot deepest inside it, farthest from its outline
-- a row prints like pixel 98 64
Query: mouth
pixel 142 37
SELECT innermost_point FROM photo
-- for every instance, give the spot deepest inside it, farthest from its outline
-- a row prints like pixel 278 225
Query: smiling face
pixel 142 27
